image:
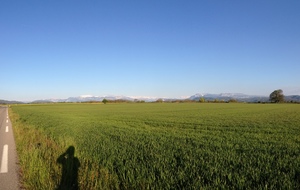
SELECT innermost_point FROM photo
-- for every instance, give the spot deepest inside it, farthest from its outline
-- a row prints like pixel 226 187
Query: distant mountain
pixel 207 96
pixel 294 98
pixel 41 101
pixel 228 96
pixel 196 97
pixel 10 102
pixel 96 98
pixel 89 98
pixel 240 97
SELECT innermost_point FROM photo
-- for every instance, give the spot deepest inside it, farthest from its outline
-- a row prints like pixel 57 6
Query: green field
pixel 161 145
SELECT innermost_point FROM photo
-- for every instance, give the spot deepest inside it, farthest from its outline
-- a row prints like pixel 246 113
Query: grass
pixel 161 146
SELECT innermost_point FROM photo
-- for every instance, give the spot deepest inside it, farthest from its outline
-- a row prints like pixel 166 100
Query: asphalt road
pixel 9 169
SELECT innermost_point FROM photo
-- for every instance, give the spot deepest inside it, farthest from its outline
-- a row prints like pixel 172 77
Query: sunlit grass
pixel 162 146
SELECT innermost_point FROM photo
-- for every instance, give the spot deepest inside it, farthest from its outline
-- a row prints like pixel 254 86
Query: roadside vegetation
pixel 160 146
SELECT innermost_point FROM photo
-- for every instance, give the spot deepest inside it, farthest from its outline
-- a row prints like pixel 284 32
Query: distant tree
pixel 201 100
pixel 232 100
pixel 277 96
pixel 159 100
pixel 104 101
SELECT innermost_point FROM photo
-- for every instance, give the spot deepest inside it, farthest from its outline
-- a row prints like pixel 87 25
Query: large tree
pixel 104 101
pixel 277 96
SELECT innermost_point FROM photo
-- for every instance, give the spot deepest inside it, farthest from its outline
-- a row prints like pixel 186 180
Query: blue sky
pixel 63 48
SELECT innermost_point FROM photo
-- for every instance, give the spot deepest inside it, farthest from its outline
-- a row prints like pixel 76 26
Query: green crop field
pixel 159 145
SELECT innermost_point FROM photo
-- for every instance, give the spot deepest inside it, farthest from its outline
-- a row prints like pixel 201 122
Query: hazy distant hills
pixel 207 96
pixel 196 97
pixel 295 98
pixel 228 96
pixel 10 102
pixel 86 98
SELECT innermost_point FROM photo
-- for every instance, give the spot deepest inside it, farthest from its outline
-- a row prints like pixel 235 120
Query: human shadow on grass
pixel 69 173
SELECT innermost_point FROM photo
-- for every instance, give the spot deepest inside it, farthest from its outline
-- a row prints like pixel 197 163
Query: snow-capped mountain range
pixel 88 98
pixel 231 95
pixel 207 96
pixel 228 96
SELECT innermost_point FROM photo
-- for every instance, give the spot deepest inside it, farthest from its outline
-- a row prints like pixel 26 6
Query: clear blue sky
pixel 63 48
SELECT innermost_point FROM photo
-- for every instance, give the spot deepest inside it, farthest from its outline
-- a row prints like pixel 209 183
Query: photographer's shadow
pixel 69 172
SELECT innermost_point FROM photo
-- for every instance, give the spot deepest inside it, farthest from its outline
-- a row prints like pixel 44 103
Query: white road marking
pixel 7 121
pixel 4 162
pixel 6 130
